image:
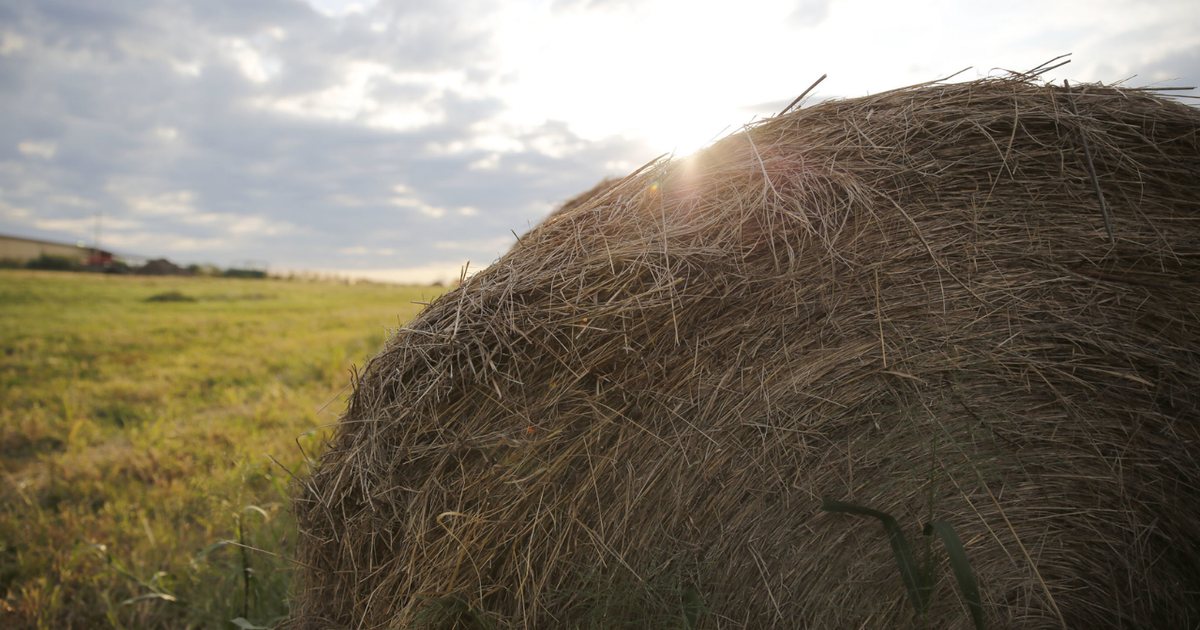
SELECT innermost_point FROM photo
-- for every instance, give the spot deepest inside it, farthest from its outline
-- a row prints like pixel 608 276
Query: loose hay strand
pixel 647 395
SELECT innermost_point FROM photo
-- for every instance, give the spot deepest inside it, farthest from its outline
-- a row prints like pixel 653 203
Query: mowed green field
pixel 136 436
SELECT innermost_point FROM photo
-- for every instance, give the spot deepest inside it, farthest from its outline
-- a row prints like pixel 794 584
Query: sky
pixel 399 139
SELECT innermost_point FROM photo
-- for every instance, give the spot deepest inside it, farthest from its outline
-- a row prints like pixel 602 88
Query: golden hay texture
pixel 907 301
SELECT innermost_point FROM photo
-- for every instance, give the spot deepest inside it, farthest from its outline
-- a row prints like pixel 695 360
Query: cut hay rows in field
pixel 908 301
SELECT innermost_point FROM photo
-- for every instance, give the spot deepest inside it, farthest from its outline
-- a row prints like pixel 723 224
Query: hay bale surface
pixel 582 198
pixel 907 301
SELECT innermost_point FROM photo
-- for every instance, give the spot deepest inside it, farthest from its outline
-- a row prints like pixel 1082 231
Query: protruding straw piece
pixel 1087 152
pixel 802 95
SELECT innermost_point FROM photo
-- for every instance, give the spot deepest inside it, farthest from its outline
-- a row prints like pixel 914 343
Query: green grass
pixel 135 432
pixel 919 580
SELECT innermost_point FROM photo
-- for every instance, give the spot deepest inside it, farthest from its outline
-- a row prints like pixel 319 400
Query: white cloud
pixel 489 163
pixel 11 43
pixel 341 8
pixel 355 98
pixel 27 188
pixel 557 145
pixel 237 225
pixel 406 198
pixel 359 250
pixel 444 272
pixel 162 243
pixel 181 206
pixel 174 203
pixel 256 66
pixel 490 111
pixel 811 13
pixel 419 206
pixel 44 149
pixel 72 200
pixel 256 225
pixel 186 68
pixel 454 147
pixel 86 225
pixel 497 244
pixel 403 117
pixel 12 212
pixel 672 85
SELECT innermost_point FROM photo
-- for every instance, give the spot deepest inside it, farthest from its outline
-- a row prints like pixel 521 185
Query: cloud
pixel 566 6
pixel 178 202
pixel 13 213
pixel 147 244
pixel 341 8
pixel 42 149
pixel 810 13
pixel 359 250
pixel 254 64
pixel 1175 66
pixel 428 273
pixel 359 134
pixel 11 43
pixel 498 243
pixel 359 161
pixel 84 226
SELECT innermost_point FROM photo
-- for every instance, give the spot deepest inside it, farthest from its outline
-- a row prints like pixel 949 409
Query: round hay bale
pixel 908 301
pixel 600 188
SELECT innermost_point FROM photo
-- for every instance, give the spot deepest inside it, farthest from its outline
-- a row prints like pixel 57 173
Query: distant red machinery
pixel 99 258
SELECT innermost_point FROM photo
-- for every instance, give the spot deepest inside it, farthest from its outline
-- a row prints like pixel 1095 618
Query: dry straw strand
pixel 645 400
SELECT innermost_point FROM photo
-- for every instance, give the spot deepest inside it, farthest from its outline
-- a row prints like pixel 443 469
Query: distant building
pixel 22 250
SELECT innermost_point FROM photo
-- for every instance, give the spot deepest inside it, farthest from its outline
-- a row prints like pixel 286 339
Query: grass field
pixel 135 434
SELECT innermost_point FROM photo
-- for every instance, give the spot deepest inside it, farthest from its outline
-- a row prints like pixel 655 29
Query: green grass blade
pixel 211 548
pixel 255 508
pixel 147 597
pixel 900 548
pixel 691 608
pixel 962 568
pixel 244 624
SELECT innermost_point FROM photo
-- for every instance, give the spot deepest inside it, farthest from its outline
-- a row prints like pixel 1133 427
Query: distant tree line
pixel 51 262
pixel 45 261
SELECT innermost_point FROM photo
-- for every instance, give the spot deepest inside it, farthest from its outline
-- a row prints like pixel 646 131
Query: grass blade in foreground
pixel 691 608
pixel 903 553
pixel 962 568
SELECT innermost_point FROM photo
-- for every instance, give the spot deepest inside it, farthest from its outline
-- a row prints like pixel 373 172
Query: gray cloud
pixel 223 130
pixel 1180 68
pixel 168 120
pixel 1183 66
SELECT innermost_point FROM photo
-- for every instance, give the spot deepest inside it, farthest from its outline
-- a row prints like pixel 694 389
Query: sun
pixel 652 75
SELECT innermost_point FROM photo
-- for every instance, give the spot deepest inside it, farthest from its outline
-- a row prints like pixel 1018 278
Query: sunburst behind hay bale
pixel 908 301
